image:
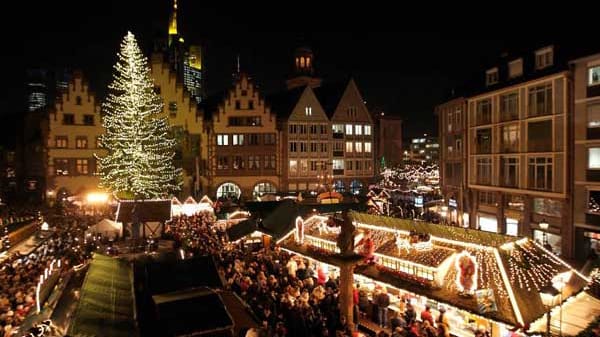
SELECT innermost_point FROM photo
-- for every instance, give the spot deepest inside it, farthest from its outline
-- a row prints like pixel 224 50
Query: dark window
pixel 173 109
pixel 78 100
pixel 250 105
pixel 88 119
pixel 238 105
pixel 269 138
pixel 68 119
pixel 539 136
pixel 244 92
pixel 253 139
pixel 484 141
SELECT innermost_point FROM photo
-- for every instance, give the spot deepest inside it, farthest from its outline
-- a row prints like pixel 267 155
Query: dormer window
pixel 515 68
pixel 308 111
pixel 491 76
pixel 544 58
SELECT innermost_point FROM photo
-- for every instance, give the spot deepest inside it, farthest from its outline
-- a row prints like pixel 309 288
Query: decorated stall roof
pixel 466 235
pixel 488 274
pixel 430 257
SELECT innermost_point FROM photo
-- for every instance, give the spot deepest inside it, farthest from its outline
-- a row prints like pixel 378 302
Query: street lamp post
pixel 544 227
pixel 548 295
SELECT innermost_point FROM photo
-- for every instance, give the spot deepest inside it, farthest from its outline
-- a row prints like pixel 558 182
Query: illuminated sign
pixel 452 203
pixel 419 201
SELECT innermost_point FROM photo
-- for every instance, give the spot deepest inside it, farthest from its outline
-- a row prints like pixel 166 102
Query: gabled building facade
pixel 74 127
pixel 242 158
pixel 352 138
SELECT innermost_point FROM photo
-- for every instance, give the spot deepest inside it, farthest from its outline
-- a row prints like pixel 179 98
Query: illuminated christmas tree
pixel 139 163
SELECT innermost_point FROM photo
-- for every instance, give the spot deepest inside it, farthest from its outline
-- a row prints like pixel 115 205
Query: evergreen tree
pixel 139 163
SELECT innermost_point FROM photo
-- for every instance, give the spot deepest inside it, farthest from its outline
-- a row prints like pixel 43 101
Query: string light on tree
pixel 139 163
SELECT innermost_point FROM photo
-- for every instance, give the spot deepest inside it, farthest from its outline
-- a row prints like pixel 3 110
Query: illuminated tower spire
pixel 173 23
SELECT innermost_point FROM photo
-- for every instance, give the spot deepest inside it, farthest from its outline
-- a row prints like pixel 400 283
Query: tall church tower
pixel 186 61
pixel 304 71
pixel 173 24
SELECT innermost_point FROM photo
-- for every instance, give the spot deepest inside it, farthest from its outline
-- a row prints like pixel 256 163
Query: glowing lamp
pixel 45 226
pixel 97 198
pixel 543 224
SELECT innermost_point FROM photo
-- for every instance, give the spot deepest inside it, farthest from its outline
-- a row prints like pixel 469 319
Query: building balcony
pixel 592 219
pixel 338 153
pixel 592 175
pixel 593 133
pixel 593 91
pixel 338 135
pixel 338 172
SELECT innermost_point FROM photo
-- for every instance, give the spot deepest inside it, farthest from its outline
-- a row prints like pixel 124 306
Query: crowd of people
pixel 291 296
pixel 19 274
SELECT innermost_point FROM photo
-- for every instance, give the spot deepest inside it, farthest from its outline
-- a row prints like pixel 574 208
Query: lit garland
pixel 139 163
pixel 410 176
pixel 528 269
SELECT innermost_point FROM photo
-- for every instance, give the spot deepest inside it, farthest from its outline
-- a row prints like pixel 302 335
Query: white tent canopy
pixel 108 228
pixel 190 206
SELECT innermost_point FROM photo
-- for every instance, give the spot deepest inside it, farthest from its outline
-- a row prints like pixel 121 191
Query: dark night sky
pixel 403 73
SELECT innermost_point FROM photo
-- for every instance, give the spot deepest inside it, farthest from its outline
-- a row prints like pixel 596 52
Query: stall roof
pixel 179 312
pixel 146 210
pixel 168 275
pixel 243 228
pixel 513 268
pixel 98 314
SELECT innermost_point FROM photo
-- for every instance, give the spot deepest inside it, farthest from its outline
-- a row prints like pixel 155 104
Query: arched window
pixel 261 189
pixel 338 186
pixel 308 62
pixel 302 62
pixel 229 190
pixel 297 62
pixel 356 187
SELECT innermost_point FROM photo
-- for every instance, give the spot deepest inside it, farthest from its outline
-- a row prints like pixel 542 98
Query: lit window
pixel 293 167
pixel 337 128
pixel 308 111
pixel 358 129
pixel 338 164
pixel 368 147
pixel 367 130
pixel 594 75
pixel 349 129
pixel 594 158
pixel 81 142
pixel 222 140
pixel 82 166
pixel 237 140
pixel 358 146
pixel 349 147
pixel 61 142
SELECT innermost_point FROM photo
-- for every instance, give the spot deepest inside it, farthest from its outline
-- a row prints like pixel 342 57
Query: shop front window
pixel 488 224
pixel 512 227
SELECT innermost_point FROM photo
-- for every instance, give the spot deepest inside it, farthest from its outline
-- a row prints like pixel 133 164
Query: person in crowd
pixel 383 302
pixel 427 316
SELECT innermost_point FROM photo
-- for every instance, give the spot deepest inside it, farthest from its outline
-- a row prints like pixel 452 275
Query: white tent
pixel 108 228
pixel 176 208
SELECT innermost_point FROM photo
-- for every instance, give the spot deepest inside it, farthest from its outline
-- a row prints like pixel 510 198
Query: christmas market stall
pixel 480 280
